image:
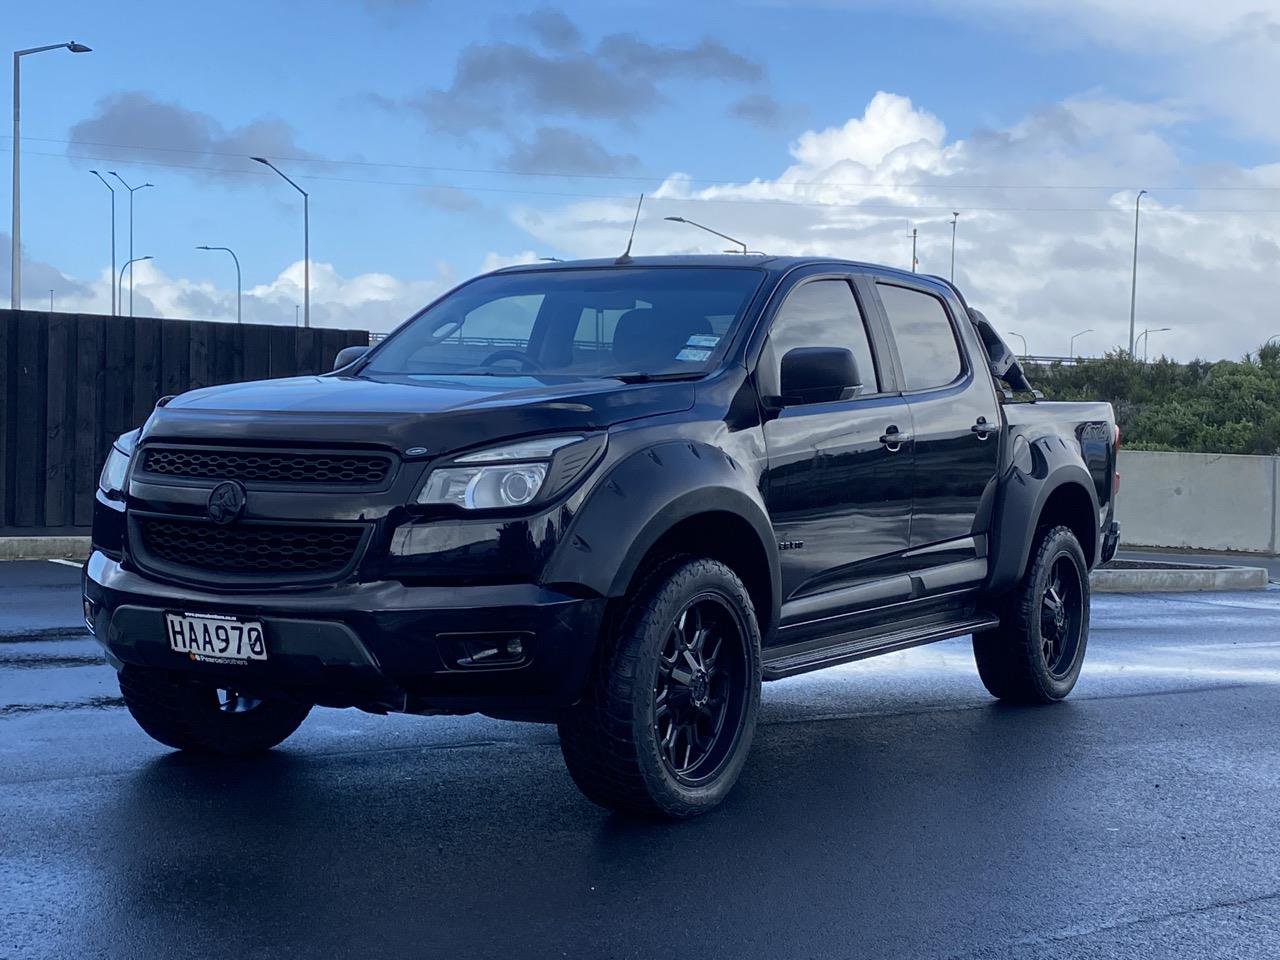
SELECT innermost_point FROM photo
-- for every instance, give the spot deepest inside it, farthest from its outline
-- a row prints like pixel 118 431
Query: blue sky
pixel 390 111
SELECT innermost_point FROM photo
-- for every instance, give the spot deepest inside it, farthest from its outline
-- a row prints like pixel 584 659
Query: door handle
pixel 893 439
pixel 983 428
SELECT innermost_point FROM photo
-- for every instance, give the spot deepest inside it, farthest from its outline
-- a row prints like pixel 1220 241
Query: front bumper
pixel 379 645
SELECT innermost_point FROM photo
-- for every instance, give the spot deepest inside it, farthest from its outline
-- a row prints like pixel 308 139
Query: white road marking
pixel 70 563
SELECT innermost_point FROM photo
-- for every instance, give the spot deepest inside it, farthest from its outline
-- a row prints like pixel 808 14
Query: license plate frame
pixel 216 637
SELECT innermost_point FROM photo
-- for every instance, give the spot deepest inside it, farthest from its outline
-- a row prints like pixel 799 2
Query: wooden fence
pixel 72 383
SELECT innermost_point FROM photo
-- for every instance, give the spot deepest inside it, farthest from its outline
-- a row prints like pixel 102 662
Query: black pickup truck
pixel 611 495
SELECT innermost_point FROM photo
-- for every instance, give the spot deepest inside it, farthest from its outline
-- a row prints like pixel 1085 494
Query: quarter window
pixel 821 313
pixel 926 342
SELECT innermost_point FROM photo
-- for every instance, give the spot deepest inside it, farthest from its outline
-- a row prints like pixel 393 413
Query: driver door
pixel 838 489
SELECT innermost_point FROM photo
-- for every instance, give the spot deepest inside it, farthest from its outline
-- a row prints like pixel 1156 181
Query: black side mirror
pixel 347 356
pixel 819 375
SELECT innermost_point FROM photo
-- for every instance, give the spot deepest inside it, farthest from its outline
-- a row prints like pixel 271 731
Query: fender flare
pixel 1021 500
pixel 644 496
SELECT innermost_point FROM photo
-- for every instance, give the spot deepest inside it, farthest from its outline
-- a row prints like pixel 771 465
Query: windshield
pixel 655 321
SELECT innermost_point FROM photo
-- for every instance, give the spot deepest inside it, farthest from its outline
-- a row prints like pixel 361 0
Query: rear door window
pixel 927 348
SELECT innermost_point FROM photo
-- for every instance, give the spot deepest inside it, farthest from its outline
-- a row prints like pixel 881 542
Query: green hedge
pixel 1223 407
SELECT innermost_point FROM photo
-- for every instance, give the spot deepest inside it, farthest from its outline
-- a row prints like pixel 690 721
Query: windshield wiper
pixel 655 377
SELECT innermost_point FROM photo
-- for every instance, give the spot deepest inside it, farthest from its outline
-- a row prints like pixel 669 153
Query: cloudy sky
pixel 439 139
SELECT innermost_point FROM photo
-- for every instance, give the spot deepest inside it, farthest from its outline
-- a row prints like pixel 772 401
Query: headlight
pixel 111 482
pixel 512 475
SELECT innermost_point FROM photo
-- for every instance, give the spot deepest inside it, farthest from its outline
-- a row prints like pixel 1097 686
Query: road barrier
pixel 1204 501
pixel 71 383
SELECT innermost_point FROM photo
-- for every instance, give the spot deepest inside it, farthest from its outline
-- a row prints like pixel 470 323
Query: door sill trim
pixel 790 665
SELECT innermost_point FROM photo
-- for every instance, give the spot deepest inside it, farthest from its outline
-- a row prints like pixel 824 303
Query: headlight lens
pixel 497 478
pixel 111 481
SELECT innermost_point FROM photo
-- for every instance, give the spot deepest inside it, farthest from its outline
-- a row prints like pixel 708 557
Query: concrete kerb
pixel 44 548
pixel 1177 578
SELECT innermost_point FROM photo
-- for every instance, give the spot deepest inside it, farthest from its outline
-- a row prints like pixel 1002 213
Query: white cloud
pixel 1222 56
pixel 1044 262
pixel 496 261
pixel 369 301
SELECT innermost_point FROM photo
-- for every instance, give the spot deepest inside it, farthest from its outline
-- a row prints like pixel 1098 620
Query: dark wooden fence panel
pixel 72 383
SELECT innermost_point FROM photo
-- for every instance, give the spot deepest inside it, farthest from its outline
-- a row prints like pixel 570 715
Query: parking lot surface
pixel 890 809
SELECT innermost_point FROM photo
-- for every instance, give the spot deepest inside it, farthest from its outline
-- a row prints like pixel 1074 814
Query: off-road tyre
pixel 1036 653
pixel 189 715
pixel 618 741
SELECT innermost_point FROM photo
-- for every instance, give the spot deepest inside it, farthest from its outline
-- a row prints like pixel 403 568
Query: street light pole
pixel 132 191
pixel 114 307
pixel 238 286
pixel 1071 350
pixel 119 283
pixel 722 236
pixel 915 261
pixel 1133 289
pixel 15 260
pixel 955 218
pixel 1145 341
pixel 1023 339
pixel 306 240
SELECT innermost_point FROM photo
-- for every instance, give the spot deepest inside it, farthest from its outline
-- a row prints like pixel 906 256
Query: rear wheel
pixel 189 715
pixel 1036 653
pixel 667 723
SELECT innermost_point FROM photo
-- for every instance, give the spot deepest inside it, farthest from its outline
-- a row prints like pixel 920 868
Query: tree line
pixel 1227 406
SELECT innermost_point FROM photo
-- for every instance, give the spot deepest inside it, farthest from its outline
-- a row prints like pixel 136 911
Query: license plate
pixel 214 638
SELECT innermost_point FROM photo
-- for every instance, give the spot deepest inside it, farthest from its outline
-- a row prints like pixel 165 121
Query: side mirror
pixel 819 375
pixel 347 356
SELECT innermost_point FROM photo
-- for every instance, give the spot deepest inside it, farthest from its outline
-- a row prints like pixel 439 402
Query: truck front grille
pixel 362 469
pixel 269 550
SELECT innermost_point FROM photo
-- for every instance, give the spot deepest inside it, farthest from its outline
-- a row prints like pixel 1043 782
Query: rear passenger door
pixel 838 489
pixel 955 419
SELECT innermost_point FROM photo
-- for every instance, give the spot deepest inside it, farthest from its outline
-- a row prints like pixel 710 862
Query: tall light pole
pixel 722 236
pixel 915 261
pixel 1133 289
pixel 132 191
pixel 1071 350
pixel 955 218
pixel 306 240
pixel 237 260
pixel 1023 339
pixel 113 238
pixel 1144 338
pixel 129 266
pixel 15 266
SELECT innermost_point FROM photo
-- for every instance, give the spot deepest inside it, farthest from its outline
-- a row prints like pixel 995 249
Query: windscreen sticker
pixel 701 340
pixel 689 353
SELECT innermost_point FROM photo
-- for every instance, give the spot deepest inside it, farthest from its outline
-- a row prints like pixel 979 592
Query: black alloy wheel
pixel 699 696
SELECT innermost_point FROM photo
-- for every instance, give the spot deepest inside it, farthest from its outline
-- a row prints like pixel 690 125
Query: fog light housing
pixel 88 614
pixel 485 651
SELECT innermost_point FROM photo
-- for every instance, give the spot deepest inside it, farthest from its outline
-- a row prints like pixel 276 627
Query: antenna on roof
pixel 626 255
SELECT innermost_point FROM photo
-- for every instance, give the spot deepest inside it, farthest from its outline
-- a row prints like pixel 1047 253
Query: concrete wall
pixel 1203 500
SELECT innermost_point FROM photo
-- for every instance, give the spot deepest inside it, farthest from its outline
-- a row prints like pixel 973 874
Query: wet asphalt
pixel 889 809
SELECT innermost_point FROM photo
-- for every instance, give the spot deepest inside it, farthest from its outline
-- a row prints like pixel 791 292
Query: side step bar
pixel 788 665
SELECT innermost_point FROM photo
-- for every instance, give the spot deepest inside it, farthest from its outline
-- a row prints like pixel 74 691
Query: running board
pixel 792 664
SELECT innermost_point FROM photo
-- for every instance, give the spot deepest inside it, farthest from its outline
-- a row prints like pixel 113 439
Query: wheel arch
pixel 1056 490
pixel 673 497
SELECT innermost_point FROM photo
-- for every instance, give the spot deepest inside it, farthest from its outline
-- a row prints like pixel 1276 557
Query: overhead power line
pixel 865 207
pixel 631 178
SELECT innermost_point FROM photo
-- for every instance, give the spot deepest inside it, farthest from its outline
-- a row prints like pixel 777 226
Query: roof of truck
pixel 765 262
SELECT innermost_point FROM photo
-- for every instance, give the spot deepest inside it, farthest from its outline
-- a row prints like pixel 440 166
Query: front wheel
pixel 1036 653
pixel 189 715
pixel 668 720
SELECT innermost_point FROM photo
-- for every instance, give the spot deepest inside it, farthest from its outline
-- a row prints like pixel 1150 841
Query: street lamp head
pixel 261 160
pixel 202 247
pixel 78 47
pixel 675 219
pixel 147 185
